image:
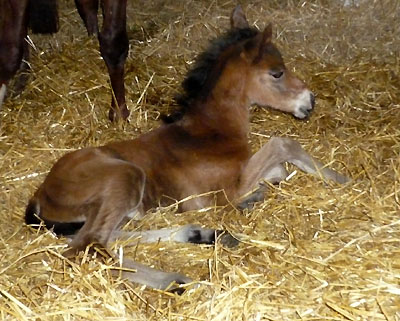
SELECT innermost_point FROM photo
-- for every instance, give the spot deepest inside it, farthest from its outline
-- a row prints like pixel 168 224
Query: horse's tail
pixel 33 218
pixel 43 16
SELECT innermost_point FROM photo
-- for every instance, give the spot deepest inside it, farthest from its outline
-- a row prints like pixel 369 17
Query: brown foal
pixel 202 147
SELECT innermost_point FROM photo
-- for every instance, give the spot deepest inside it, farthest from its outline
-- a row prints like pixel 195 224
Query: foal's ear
pixel 238 18
pixel 266 38
pixel 267 34
pixel 263 41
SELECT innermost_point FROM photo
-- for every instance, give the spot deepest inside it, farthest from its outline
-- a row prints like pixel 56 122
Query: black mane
pixel 201 78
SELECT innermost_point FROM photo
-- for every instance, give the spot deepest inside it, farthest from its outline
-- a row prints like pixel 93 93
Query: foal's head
pixel 246 63
pixel 268 82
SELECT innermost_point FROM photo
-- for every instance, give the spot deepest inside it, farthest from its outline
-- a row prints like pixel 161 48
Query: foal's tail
pixel 32 217
pixel 43 16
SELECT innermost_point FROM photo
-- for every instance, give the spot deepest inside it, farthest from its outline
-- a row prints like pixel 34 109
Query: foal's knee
pixel 284 145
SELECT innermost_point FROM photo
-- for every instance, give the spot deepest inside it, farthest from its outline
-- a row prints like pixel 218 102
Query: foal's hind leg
pixel 121 193
pixel 114 47
pixel 99 231
pixel 266 165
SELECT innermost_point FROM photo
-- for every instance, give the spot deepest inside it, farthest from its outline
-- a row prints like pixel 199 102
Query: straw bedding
pixel 311 251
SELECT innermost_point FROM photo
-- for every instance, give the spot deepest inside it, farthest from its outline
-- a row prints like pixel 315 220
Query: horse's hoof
pixel 114 115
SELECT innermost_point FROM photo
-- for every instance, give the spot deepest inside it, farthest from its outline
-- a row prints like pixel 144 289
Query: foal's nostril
pixel 312 99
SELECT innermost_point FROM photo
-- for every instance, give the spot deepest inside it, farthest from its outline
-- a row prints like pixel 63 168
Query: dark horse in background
pixel 41 16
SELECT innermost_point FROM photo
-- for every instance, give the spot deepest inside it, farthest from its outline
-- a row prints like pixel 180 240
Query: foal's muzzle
pixel 304 104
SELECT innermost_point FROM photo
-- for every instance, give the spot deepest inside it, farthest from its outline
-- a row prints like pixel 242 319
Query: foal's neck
pixel 225 110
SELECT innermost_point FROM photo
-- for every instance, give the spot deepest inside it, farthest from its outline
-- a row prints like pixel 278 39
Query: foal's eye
pixel 276 74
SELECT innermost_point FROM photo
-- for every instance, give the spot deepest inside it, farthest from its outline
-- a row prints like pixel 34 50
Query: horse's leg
pixel 87 9
pixel 14 15
pixel 256 194
pixel 13 29
pixel 114 48
pixel 266 165
pixel 23 77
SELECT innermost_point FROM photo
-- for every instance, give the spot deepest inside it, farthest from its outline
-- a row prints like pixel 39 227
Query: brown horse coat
pixel 42 17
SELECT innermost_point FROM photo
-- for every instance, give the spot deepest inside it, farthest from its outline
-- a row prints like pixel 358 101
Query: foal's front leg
pixel 267 165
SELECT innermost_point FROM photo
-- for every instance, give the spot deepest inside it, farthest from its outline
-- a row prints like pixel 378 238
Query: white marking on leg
pixel 151 236
pixel 135 215
pixel 181 234
pixel 3 90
